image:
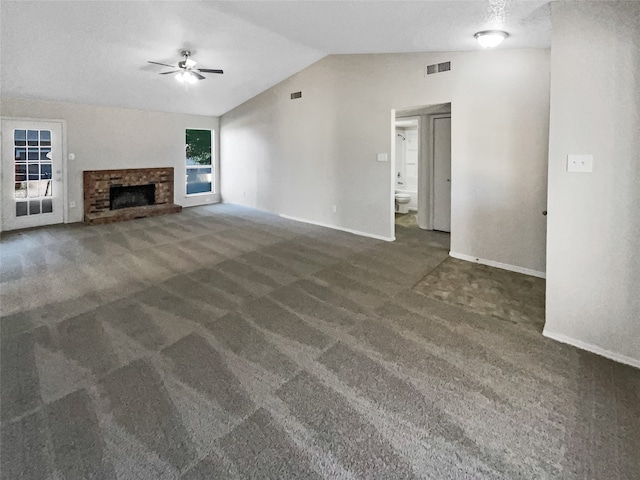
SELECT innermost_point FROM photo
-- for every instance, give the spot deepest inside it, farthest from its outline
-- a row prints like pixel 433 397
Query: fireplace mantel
pixel 97 184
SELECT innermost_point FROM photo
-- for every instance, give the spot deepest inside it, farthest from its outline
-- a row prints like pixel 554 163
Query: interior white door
pixel 32 180
pixel 442 174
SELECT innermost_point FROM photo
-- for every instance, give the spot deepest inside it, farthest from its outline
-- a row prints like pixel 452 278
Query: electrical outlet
pixel 334 208
pixel 72 204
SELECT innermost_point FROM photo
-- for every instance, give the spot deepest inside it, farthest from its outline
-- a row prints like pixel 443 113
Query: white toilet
pixel 402 202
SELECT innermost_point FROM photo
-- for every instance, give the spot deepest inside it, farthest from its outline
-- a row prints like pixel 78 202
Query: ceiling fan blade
pixel 208 70
pixel 197 75
pixel 163 64
pixel 167 73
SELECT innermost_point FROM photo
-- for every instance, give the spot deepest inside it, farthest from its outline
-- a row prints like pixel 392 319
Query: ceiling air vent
pixel 444 67
pixel 296 95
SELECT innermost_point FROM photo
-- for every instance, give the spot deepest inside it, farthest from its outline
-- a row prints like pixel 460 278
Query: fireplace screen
pixel 134 196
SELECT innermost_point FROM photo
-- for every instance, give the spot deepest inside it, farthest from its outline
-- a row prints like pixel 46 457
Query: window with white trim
pixel 199 161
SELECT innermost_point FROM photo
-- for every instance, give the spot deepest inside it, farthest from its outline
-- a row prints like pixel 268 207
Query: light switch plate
pixel 579 163
pixel 383 157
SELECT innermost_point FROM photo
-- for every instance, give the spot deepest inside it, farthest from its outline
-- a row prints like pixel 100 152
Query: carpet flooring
pixel 222 342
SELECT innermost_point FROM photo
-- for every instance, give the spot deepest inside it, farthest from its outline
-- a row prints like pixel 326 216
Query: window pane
pixel 32 137
pixel 20 138
pixel 45 138
pixel 198 147
pixel 199 180
pixel 33 155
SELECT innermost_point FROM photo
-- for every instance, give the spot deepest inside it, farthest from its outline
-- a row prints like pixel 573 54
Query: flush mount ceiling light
pixel 490 38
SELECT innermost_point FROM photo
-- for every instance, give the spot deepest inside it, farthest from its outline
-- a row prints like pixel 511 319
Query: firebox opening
pixel 133 196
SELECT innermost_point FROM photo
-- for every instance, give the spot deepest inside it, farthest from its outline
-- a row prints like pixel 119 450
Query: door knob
pixel 58 171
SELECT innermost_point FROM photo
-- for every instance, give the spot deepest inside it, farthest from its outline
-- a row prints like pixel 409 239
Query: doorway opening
pixel 422 169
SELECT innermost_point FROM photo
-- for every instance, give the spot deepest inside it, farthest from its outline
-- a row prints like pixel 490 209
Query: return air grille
pixel 295 95
pixel 438 68
pixel 444 67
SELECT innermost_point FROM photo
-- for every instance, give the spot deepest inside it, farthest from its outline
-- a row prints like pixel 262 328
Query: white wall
pixel 411 160
pixel 300 157
pixel 108 138
pixel 400 160
pixel 407 164
pixel 593 259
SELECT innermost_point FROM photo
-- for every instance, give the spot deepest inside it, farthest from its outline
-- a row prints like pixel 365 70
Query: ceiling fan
pixel 186 69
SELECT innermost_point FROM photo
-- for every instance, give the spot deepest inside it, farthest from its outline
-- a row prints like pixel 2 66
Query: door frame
pixel 63 139
pixel 431 168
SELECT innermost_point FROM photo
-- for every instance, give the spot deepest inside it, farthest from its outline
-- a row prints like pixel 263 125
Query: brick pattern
pixel 96 193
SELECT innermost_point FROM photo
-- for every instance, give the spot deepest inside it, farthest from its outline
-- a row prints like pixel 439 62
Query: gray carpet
pixel 227 343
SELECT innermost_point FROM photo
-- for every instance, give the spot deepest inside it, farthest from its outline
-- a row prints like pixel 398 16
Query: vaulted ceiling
pixel 96 52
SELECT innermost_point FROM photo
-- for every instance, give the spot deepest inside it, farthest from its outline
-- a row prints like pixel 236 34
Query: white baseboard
pixel 634 362
pixel 334 227
pixel 503 266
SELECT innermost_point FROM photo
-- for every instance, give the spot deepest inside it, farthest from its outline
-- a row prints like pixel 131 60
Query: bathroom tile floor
pixel 507 295
pixel 406 219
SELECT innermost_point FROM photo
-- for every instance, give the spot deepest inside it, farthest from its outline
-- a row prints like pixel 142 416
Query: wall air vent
pixel 437 68
pixel 444 67
pixel 296 95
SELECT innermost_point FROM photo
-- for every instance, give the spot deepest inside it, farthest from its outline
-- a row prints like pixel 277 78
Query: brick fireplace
pixel 100 186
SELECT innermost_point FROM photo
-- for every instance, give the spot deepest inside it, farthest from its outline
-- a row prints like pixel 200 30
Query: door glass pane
pixel 33 189
pixel 20 138
pixel 21 190
pixel 45 171
pixel 46 188
pixel 34 207
pixel 21 172
pixel 33 172
pixel 198 180
pixel 45 138
pixel 21 209
pixel 32 137
pixel 21 154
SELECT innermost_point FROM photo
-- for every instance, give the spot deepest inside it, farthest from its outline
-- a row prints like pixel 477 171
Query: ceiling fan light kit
pixel 186 77
pixel 490 38
pixel 186 70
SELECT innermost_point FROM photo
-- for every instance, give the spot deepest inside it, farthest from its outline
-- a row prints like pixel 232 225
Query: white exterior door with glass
pixel 32 180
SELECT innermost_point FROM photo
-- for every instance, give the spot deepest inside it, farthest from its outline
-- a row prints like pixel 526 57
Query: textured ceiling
pixel 96 52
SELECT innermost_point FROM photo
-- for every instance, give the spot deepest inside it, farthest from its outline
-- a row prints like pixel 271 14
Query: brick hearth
pixel 96 193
